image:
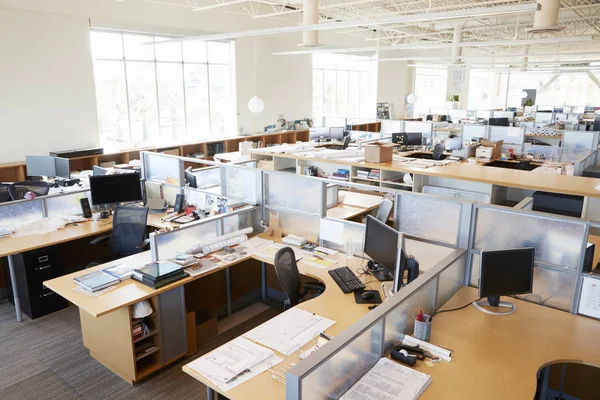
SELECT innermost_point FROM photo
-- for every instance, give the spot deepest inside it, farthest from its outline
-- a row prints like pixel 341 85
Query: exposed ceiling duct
pixel 546 17
pixel 310 16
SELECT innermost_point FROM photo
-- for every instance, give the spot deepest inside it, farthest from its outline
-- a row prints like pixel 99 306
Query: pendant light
pixel 256 105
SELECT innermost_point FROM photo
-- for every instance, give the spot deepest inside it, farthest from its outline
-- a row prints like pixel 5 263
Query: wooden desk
pixel 497 357
pixel 113 306
pixel 357 204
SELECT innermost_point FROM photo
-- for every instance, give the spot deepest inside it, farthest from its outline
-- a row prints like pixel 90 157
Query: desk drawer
pixel 45 302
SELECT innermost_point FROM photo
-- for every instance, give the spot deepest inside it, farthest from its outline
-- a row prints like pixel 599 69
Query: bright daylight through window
pixel 160 93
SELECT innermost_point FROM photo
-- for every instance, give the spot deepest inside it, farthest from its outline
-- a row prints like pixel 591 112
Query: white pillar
pixel 310 13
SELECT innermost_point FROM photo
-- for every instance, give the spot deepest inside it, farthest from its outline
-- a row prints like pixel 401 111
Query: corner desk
pixel 106 319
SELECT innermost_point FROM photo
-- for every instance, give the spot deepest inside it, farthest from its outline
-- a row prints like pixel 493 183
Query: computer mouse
pixel 367 295
pixel 104 214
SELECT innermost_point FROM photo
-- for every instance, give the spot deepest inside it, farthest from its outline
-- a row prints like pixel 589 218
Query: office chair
pixel 523 165
pixel 4 194
pixel 289 278
pixel 17 190
pixel 128 235
pixel 344 145
pixel 385 209
pixel 438 151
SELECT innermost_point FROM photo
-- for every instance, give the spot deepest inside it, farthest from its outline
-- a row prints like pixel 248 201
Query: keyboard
pixel 346 280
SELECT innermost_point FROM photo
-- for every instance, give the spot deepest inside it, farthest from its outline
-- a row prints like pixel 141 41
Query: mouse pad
pixel 373 300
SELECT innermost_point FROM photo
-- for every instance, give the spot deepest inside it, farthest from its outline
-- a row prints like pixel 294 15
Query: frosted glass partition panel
pixel 250 218
pixel 557 153
pixel 207 178
pixel 451 280
pixel 332 195
pixel 301 194
pixel 583 140
pixel 508 134
pixel 557 241
pixel 301 225
pixel 66 205
pixel 334 377
pixel 163 168
pixel 390 126
pixel 153 190
pixel 472 131
pixel 415 126
pixel 15 213
pixel 428 217
pixel 178 241
pixel 401 320
pixel 242 183
pixel 352 231
pixel 456 115
pixel 170 193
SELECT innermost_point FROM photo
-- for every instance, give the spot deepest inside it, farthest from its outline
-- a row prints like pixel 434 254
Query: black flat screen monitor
pixel 120 188
pixel 381 243
pixel 63 169
pixel 506 272
pixel 499 122
pixel 336 133
pixel 40 166
pixel 190 179
pixel 408 138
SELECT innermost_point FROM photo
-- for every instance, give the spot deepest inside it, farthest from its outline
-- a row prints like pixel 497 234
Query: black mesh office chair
pixel 128 235
pixel 4 193
pixel 344 144
pixel 438 151
pixel 289 278
pixel 523 165
pixel 17 190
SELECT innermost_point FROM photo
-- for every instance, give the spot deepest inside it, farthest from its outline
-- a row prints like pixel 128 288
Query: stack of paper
pixel 388 380
pixel 234 363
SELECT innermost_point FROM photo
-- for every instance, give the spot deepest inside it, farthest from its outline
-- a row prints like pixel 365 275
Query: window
pixel 430 89
pixel 479 83
pixel 160 93
pixel 570 89
pixel 343 86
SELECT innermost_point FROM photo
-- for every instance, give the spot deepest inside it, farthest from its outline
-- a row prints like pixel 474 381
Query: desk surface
pixel 356 204
pixel 497 357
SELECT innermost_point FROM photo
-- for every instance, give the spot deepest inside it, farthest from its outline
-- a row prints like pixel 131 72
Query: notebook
pixel 95 281
pixel 158 270
pixel 389 380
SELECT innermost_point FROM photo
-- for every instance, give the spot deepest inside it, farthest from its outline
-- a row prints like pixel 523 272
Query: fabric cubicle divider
pixel 332 370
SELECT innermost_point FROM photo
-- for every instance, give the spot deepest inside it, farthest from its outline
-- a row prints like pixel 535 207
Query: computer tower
pixel 32 268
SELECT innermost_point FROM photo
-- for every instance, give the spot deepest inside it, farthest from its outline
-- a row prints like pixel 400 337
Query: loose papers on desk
pixel 268 251
pixel 388 380
pixel 234 363
pixel 319 262
pixel 289 331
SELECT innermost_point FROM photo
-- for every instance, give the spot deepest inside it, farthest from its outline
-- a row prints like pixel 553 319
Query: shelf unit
pixel 14 172
pixel 370 127
pixel 151 360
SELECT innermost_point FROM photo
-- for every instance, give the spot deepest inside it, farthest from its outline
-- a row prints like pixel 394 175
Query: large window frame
pixel 430 87
pixel 152 93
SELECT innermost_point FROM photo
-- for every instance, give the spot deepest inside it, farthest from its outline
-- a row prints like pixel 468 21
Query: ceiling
pixel 578 17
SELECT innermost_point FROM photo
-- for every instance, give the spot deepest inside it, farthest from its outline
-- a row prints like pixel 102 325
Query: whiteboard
pixel 589 302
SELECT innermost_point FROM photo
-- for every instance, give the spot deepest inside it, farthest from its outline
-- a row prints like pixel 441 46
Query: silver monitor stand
pixel 494 302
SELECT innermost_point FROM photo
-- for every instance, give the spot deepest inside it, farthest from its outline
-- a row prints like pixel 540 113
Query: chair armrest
pixel 104 239
pixel 315 286
pixel 145 245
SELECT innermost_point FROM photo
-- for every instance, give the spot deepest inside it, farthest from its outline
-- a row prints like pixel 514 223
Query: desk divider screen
pixel 354 231
pixel 67 205
pixel 333 369
pixel 425 128
pixel 208 177
pixel 18 212
pixel 162 168
pixel 241 183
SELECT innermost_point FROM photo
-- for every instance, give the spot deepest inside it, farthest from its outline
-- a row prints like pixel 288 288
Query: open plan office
pixel 307 200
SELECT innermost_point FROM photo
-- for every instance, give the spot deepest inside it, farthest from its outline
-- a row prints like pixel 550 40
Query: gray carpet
pixel 45 359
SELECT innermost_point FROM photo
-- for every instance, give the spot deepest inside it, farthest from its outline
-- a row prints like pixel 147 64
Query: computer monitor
pixel 336 133
pixel 414 138
pixel 504 273
pixel 190 179
pixel 97 171
pixel 120 188
pixel 381 244
pixel 499 122
pixel 40 166
pixel 63 169
pixel 400 265
pixel 320 133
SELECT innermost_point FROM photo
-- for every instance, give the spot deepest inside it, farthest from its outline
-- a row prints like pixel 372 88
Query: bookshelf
pixel 146 348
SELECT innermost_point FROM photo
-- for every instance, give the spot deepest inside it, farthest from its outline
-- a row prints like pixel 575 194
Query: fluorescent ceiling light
pixel 518 69
pixel 355 23
pixel 483 57
pixel 422 46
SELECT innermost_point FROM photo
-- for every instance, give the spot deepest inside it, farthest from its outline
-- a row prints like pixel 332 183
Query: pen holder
pixel 423 329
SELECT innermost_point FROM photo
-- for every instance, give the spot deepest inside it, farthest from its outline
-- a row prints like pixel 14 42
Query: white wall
pixel 47 97
pixel 394 83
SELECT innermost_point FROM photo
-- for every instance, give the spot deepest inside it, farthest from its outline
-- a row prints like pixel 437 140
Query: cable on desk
pixel 458 308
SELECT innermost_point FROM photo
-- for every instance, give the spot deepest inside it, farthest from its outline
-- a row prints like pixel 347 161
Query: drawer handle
pixel 43 259
pixel 44 267
pixel 47 294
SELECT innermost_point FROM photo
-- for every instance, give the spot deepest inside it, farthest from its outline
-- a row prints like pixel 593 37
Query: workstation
pixel 299 200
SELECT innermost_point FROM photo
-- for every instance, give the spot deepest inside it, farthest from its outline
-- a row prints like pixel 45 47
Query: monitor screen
pixel 336 133
pixel 506 272
pixel 190 179
pixel 120 188
pixel 381 243
pixel 99 170
pixel 319 133
pixel 499 122
pixel 40 166
pixel 63 170
pixel 414 139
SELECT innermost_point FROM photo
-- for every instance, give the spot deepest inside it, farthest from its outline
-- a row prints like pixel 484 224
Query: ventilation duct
pixel 546 17
pixel 310 16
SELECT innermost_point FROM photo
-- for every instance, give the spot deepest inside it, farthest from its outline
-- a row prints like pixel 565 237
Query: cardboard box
pixel 379 152
pixel 497 146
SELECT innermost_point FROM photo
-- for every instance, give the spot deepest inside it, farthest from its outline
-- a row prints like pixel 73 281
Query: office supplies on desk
pixel 97 293
pixel 294 240
pixel 289 331
pixel 389 380
pixel 157 284
pixel 422 329
pixel 589 303
pixel 438 351
pixel 185 219
pixel 346 279
pixel 203 265
pixel 121 271
pixel 95 281
pixel 319 262
pixel 6 231
pixel 367 297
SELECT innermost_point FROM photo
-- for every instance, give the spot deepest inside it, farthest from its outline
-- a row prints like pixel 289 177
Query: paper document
pixel 319 262
pixel 232 362
pixel 289 331
pixel 389 380
pixel 325 250
pixel 202 266
pixel 268 251
pixel 589 303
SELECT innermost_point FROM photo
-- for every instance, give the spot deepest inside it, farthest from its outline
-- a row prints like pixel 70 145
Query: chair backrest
pixel 287 274
pixel 346 142
pixel 4 193
pixel 385 209
pixel 438 151
pixel 523 165
pixel 129 229
pixel 17 190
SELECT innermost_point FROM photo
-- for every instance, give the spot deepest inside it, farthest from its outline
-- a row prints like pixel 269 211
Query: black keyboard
pixel 346 279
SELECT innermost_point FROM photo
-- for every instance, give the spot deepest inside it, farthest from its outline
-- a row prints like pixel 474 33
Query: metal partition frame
pixel 163 168
pixel 324 364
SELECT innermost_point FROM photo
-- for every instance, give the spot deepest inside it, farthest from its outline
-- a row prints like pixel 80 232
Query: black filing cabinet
pixel 32 268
